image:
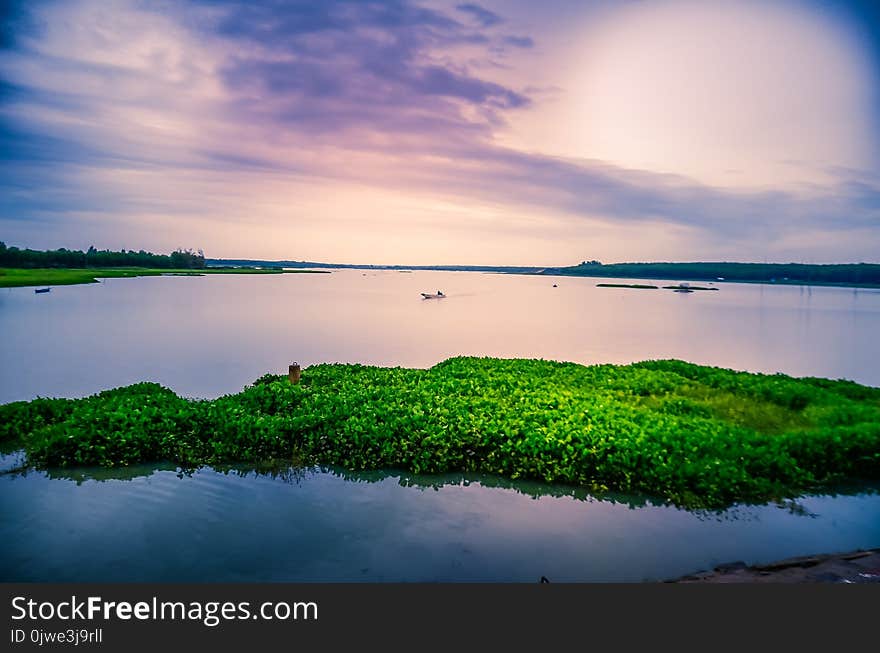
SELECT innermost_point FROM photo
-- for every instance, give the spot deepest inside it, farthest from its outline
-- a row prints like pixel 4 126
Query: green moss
pixel 696 436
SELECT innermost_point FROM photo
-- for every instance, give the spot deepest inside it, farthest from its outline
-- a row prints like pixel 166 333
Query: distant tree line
pixel 846 273
pixel 13 257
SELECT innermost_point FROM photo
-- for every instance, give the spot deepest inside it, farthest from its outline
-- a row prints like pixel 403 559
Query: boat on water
pixel 39 290
pixel 438 295
pixel 683 287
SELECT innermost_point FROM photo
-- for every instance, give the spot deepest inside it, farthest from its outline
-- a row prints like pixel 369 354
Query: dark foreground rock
pixel 852 567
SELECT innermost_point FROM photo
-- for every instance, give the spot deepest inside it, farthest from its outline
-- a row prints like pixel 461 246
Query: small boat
pixel 683 287
pixel 438 295
pixel 39 290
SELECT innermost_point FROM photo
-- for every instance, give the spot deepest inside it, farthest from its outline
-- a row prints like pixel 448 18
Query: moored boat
pixel 683 287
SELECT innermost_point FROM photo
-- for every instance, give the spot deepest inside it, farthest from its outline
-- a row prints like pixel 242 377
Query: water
pixel 205 336
pixel 157 525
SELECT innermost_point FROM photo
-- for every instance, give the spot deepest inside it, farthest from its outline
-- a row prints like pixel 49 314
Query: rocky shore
pixel 851 567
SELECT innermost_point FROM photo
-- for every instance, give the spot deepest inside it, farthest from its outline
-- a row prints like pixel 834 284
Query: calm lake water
pixel 205 336
pixel 157 525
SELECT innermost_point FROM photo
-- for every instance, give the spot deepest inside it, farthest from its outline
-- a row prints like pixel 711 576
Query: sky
pixel 426 132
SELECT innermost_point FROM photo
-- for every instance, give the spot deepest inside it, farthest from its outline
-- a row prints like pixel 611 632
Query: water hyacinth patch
pixel 694 435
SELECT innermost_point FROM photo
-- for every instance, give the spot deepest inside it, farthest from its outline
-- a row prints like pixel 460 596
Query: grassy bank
pixel 18 277
pixel 697 436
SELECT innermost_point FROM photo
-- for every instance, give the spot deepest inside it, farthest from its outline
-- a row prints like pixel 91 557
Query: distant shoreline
pixel 861 275
pixel 846 275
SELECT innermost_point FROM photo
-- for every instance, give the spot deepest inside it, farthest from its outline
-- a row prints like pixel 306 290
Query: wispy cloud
pixel 519 41
pixel 482 15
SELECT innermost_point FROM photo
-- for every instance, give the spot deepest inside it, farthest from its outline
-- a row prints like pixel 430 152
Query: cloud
pixel 13 21
pixel 519 41
pixel 341 64
pixel 482 15
pixel 205 110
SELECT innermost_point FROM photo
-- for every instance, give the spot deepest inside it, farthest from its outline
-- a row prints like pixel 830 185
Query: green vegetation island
pixel 694 436
pixel 64 267
pixel 683 287
pixel 637 286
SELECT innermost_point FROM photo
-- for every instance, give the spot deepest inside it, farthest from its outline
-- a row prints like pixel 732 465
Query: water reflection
pixel 15 465
pixel 160 523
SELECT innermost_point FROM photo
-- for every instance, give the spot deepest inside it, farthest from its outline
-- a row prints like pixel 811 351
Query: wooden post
pixel 294 373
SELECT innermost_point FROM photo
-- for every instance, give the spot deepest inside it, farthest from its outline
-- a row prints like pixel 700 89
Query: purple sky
pixel 443 132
